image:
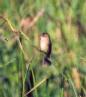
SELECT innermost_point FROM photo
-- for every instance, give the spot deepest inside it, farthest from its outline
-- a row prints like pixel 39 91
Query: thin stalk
pixel 23 83
pixel 72 84
pixel 36 86
pixel 34 81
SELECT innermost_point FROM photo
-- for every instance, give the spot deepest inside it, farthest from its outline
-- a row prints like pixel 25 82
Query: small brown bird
pixel 46 46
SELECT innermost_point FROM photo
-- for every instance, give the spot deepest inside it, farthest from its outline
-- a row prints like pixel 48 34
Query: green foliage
pixel 64 20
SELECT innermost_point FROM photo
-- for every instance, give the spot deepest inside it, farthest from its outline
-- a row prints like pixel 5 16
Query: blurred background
pixel 65 22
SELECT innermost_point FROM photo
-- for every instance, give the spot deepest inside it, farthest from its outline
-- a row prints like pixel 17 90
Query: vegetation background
pixel 65 21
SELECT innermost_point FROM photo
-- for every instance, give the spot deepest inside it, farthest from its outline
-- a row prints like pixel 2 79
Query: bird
pixel 46 46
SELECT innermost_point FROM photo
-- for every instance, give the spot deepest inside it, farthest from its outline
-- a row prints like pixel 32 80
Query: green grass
pixel 64 20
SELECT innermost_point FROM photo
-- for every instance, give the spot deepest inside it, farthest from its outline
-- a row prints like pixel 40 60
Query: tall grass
pixel 64 20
